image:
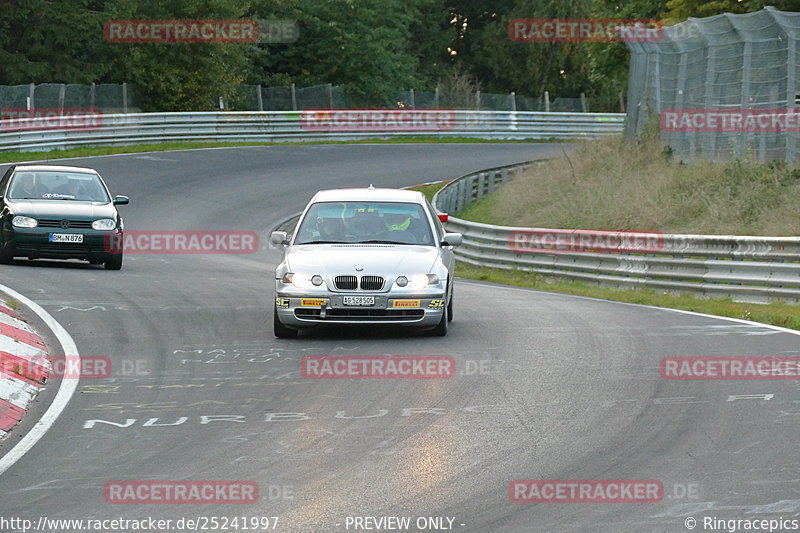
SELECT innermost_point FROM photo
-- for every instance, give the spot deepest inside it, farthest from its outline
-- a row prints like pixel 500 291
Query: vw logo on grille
pixel 64 223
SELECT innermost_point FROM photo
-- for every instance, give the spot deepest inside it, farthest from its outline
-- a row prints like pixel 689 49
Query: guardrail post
pixel 294 99
pixel 546 102
pixel 470 190
pixel 258 96
pixel 481 183
pixel 124 97
pixel 31 103
pixel 459 196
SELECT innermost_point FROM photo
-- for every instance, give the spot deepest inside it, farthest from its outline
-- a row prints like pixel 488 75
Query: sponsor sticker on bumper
pixel 313 302
pixel 405 303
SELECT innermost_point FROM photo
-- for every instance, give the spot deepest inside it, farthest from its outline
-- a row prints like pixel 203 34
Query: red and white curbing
pixel 24 367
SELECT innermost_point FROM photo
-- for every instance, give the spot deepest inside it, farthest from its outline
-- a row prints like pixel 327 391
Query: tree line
pixel 372 48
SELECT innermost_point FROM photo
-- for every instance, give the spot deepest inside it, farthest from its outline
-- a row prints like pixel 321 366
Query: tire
pixel 441 329
pixel 450 307
pixel 114 262
pixel 281 331
pixel 6 256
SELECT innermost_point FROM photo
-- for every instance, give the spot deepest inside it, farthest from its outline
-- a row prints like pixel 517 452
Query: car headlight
pixel 301 280
pixel 420 281
pixel 104 224
pixel 24 222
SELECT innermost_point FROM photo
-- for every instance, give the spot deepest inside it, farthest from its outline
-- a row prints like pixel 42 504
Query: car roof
pixel 369 194
pixel 53 168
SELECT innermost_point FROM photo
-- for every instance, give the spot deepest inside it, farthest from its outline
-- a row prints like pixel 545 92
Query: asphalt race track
pixel 547 386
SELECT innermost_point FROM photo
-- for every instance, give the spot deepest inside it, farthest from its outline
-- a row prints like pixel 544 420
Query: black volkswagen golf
pixel 59 212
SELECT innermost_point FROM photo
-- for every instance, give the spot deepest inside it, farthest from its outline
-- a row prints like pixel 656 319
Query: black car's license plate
pixel 66 237
pixel 364 301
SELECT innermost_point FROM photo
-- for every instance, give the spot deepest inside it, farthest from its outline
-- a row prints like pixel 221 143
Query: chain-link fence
pixel 720 88
pixel 256 98
pixel 105 97
pixel 123 98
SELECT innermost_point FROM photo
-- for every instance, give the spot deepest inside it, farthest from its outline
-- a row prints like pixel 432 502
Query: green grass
pixel 11 157
pixel 430 190
pixel 609 185
pixel 777 313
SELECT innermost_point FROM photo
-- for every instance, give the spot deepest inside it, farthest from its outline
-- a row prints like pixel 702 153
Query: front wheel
pixel 6 256
pixel 450 307
pixel 281 331
pixel 441 329
pixel 114 262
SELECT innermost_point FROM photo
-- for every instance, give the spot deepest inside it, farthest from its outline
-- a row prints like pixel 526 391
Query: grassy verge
pixel 609 185
pixel 777 314
pixel 89 151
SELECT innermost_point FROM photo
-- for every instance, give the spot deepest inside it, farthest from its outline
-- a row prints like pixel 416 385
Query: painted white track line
pixel 65 390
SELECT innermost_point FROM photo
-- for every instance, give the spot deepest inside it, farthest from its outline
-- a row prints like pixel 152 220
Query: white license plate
pixel 359 300
pixel 66 237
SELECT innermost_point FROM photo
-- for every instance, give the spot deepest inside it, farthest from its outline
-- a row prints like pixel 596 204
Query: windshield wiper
pixel 323 242
pixel 377 241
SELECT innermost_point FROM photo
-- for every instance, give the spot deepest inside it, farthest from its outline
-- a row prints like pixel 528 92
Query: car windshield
pixel 365 222
pixel 53 185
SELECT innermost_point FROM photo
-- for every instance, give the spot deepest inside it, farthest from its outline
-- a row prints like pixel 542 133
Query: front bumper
pixel 36 244
pixel 412 310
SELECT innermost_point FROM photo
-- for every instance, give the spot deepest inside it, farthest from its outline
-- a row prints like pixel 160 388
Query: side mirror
pixel 452 239
pixel 278 238
pixel 121 200
pixel 443 217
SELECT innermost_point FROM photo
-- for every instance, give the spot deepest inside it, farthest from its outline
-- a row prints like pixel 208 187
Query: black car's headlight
pixel 104 224
pixel 20 221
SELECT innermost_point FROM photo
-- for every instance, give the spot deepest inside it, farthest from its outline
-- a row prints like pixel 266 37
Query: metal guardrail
pixel 747 269
pixel 272 126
